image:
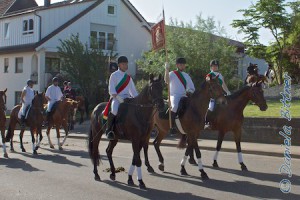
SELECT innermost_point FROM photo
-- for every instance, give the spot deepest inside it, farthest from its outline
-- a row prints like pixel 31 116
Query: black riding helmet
pixel 29 81
pixel 55 79
pixel 214 62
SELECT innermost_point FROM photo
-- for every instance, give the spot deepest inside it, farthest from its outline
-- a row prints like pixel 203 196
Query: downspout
pixel 40 37
pixel 40 25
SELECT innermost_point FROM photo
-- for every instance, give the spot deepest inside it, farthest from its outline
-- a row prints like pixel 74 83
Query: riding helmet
pixel 122 59
pixel 180 60
pixel 214 62
pixel 55 79
pixel 29 81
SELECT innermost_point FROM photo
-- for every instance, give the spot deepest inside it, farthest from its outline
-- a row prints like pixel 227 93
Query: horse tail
pixel 92 139
pixel 8 134
pixel 90 142
pixel 182 142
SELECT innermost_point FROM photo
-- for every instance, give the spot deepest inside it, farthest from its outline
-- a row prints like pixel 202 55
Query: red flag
pixel 158 35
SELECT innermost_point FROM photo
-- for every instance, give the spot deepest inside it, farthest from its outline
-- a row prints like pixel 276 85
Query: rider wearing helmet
pixel 26 99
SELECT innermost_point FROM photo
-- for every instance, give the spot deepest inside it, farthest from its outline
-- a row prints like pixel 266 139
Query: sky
pixel 223 11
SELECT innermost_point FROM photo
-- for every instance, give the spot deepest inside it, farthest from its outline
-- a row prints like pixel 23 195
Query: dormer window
pixel 28 26
pixel 111 10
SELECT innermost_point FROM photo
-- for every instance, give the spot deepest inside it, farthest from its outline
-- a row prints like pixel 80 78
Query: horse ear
pixel 5 90
pixel 151 77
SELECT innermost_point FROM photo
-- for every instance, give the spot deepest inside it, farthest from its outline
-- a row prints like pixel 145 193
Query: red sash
pixel 119 88
pixel 180 77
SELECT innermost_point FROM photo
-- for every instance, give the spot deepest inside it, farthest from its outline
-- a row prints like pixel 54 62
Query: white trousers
pixel 50 105
pixel 115 106
pixel 174 102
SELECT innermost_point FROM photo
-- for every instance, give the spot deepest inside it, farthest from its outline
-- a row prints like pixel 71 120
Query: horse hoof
pixel 23 150
pixel 60 148
pixel 243 167
pixel 112 177
pixel 183 171
pixel 130 181
pixel 215 164
pixel 97 177
pixel 12 150
pixel 192 161
pixel 150 169
pixel 142 185
pixel 35 152
pixel 161 167
pixel 204 175
pixel 51 146
pixel 5 155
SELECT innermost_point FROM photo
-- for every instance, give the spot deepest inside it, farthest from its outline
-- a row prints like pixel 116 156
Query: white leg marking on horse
pixel 240 157
pixel 65 138
pixel 131 170
pixel 162 164
pixel 33 146
pixel 200 164
pixel 58 142
pixel 4 147
pixel 139 173
pixel 183 161
pixel 216 155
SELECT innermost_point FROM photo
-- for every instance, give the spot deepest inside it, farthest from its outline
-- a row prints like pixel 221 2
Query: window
pixel 111 10
pixel 28 26
pixel 6 64
pixel 110 41
pixel 19 65
pixel 52 65
pixel 6 30
pixel 18 97
pixel 93 42
pixel 102 40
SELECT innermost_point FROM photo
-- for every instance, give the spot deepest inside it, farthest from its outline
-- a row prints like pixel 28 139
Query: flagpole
pixel 168 77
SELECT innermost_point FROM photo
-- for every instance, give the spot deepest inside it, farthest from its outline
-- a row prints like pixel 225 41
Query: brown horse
pixel 3 120
pixel 256 78
pixel 60 117
pixel 135 116
pixel 230 117
pixel 81 107
pixel 192 122
pixel 34 120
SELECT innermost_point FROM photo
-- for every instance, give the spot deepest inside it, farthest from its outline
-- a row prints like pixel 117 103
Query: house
pixel 30 34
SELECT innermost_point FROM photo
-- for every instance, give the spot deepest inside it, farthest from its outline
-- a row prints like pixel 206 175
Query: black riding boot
pixel 47 118
pixel 110 135
pixel 208 119
pixel 22 124
pixel 173 130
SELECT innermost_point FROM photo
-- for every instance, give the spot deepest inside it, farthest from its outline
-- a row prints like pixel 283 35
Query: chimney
pixel 47 3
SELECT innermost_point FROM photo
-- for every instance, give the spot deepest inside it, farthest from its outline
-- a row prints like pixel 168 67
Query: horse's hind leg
pixel 21 140
pixel 130 173
pixel 188 150
pixel 157 143
pixel 237 137
pixel 109 151
pixel 65 125
pixel 58 138
pixel 3 143
pixel 48 136
pixel 218 148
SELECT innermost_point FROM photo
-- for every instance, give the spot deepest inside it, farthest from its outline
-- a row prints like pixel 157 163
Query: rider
pixel 180 84
pixel 214 67
pixel 252 69
pixel 53 94
pixel 26 98
pixel 120 86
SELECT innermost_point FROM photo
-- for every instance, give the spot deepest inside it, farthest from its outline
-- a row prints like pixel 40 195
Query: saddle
pixel 182 106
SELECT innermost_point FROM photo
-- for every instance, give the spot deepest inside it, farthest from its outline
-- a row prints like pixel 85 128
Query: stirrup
pixel 207 127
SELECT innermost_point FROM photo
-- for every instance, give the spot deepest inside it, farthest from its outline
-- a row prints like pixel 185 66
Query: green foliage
pixel 198 45
pixel 85 66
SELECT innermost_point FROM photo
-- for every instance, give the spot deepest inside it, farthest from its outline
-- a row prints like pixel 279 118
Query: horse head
pixel 257 95
pixel 215 90
pixel 3 98
pixel 156 91
pixel 38 101
pixel 256 78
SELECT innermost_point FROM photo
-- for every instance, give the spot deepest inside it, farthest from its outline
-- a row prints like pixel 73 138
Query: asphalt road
pixel 67 174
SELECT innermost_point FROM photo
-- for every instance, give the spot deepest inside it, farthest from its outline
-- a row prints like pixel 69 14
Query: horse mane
pixel 238 93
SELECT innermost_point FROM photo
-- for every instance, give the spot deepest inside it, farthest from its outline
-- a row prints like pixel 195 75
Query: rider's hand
pixel 228 93
pixel 167 66
pixel 120 99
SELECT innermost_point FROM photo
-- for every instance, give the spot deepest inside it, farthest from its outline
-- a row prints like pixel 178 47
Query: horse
pixel 136 115
pixel 61 112
pixel 230 117
pixel 192 122
pixel 34 120
pixel 3 120
pixel 81 107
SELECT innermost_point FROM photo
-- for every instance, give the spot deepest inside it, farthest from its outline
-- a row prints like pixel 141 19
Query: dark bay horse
pixel 230 117
pixel 34 120
pixel 60 118
pixel 192 122
pixel 3 120
pixel 136 115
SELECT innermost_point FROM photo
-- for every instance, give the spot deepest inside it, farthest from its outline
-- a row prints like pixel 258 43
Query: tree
pixel 85 66
pixel 271 15
pixel 198 44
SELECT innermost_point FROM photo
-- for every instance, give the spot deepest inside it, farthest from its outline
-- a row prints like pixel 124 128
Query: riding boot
pixel 208 119
pixel 22 124
pixel 110 135
pixel 47 118
pixel 173 130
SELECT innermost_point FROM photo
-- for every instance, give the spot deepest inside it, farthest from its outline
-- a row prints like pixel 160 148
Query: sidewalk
pixel 81 132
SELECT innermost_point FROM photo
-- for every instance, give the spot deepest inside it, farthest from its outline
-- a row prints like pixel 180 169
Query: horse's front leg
pixel 39 133
pixel 156 143
pixel 138 162
pixel 21 140
pixel 237 138
pixel 32 131
pixel 109 151
pixel 147 163
pixel 58 137
pixel 3 142
pixel 48 136
pixel 66 129
pixel 218 148
pixel 198 155
pixel 188 150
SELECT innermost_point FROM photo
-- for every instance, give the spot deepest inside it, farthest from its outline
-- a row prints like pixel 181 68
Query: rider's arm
pixel 23 95
pixel 225 88
pixel 190 85
pixel 111 87
pixel 132 89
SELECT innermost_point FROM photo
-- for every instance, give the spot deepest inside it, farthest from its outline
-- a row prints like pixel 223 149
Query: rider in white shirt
pixel 180 84
pixel 26 98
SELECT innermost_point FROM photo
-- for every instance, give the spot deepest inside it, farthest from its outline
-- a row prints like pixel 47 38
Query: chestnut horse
pixel 192 122
pixel 63 110
pixel 34 120
pixel 136 116
pixel 3 120
pixel 81 107
pixel 230 117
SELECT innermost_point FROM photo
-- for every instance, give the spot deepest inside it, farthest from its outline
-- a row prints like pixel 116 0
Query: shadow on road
pixel 15 163
pixel 151 193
